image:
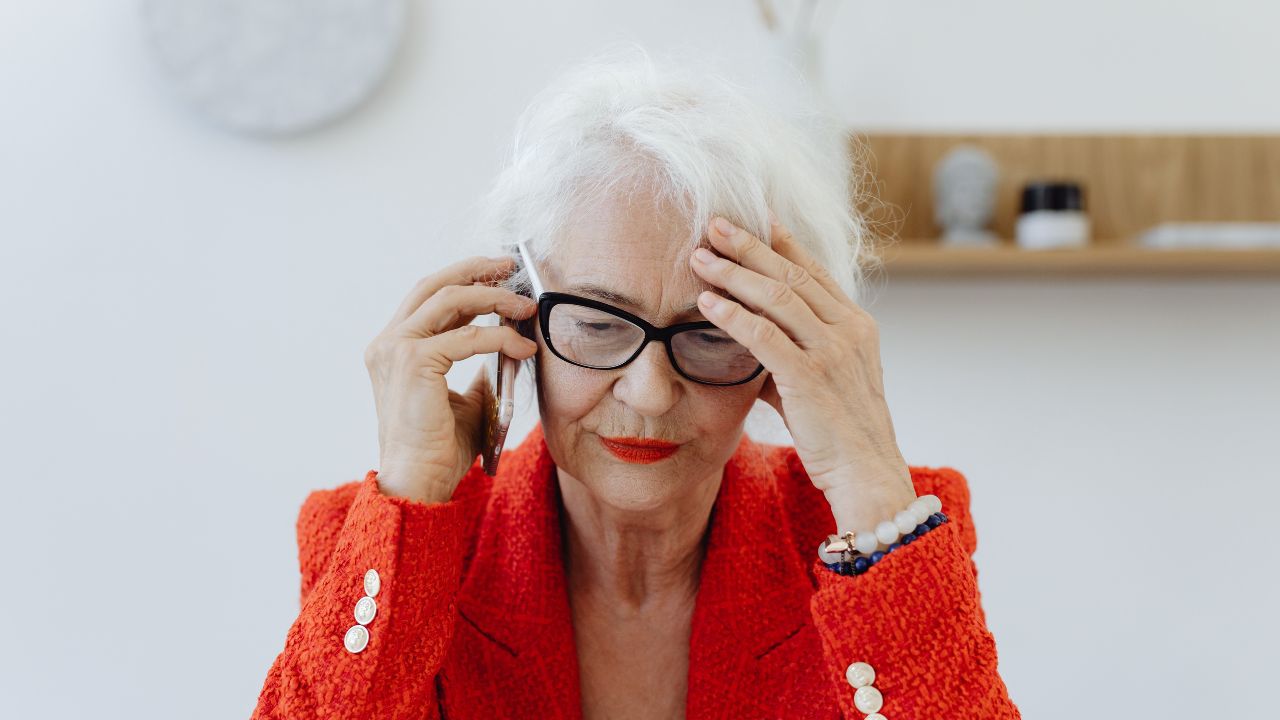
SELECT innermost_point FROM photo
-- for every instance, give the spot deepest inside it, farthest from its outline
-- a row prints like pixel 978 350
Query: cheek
pixel 720 410
pixel 568 393
pixel 567 397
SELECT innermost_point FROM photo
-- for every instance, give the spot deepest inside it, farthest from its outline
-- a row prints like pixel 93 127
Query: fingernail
pixel 703 255
pixel 725 227
pixel 708 299
pixel 773 219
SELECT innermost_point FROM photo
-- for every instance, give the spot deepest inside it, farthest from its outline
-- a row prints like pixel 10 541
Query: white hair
pixel 677 127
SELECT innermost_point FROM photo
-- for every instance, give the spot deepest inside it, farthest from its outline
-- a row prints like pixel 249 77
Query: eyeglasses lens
pixel 711 355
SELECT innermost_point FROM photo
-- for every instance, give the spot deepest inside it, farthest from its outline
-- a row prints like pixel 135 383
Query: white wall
pixel 184 313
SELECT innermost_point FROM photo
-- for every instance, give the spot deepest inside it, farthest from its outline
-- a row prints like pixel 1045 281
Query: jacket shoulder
pixel 952 488
pixel 809 514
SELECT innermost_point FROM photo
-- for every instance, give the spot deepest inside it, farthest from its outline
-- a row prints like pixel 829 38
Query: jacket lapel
pixel 515 589
pixel 753 591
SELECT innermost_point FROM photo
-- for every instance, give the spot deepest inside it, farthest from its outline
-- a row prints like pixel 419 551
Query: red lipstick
pixel 638 450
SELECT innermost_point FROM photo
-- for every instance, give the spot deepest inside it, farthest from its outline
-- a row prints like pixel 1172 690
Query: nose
pixel 649 385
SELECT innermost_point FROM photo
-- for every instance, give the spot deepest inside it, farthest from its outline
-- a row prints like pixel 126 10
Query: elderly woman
pixel 638 555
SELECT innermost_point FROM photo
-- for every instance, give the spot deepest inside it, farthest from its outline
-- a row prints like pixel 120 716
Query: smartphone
pixel 499 405
pixel 500 401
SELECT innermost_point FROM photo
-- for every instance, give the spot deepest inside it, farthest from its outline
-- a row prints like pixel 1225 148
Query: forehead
pixel 630 252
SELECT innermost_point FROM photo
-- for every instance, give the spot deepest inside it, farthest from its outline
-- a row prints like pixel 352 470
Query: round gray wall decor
pixel 274 67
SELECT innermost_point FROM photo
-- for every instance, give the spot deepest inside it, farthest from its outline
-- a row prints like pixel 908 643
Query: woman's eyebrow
pixel 617 298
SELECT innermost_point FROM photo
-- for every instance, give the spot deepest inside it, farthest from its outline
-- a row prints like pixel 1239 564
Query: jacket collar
pixel 753 590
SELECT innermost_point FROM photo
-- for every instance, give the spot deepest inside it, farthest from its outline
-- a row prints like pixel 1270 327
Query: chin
pixel 633 487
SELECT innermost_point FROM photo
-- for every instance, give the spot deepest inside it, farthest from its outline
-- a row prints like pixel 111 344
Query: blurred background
pixel 194 253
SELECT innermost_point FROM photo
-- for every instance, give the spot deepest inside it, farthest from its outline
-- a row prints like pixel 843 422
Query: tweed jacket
pixel 473 619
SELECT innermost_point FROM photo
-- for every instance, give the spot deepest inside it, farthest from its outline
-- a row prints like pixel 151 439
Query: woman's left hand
pixel 822 354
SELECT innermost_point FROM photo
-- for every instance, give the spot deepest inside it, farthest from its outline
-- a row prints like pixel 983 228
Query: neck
pixel 634 561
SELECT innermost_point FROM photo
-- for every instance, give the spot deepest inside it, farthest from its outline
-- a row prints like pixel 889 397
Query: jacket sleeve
pixel 417 550
pixel 916 618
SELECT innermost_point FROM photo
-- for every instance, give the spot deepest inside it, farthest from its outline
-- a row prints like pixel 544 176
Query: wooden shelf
pixel 1132 182
pixel 927 259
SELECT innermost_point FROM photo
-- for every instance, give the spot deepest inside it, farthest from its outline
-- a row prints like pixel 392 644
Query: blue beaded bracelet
pixel 862 563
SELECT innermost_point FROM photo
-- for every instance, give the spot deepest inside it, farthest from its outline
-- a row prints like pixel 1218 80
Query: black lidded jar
pixel 1052 215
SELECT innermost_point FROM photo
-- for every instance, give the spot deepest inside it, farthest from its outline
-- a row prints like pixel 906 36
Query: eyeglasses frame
pixel 549 299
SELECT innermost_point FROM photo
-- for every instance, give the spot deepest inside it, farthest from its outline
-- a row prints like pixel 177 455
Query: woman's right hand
pixel 429 435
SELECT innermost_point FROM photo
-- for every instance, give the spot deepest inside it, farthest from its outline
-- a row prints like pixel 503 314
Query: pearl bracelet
pixel 860 550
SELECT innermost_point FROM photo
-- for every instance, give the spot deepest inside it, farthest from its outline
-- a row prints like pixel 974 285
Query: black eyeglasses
pixel 592 334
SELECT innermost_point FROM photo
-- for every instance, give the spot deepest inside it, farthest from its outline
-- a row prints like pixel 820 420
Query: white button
pixel 372 583
pixel 366 608
pixel 874 716
pixel 860 674
pixel 356 638
pixel 868 699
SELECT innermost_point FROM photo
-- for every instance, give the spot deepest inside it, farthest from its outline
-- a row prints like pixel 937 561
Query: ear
pixel 769 392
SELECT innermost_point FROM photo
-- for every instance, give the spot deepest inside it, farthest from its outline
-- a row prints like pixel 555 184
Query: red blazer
pixel 473 618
